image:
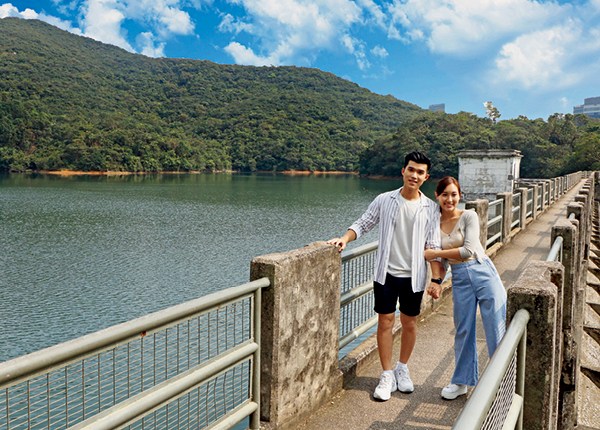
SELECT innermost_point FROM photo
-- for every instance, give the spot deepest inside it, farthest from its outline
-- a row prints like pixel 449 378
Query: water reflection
pixel 82 253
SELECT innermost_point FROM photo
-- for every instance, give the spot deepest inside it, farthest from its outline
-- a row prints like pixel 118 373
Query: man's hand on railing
pixel 341 242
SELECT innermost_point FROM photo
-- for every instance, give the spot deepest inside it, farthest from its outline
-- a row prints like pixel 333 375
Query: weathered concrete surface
pixel 589 378
pixel 299 333
pixel 571 322
pixel 538 291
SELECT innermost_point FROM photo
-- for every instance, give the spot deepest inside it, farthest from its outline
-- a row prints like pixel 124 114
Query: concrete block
pixel 538 290
pixel 300 321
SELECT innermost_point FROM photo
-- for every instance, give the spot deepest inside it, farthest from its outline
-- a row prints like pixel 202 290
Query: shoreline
pixel 124 173
pixel 67 173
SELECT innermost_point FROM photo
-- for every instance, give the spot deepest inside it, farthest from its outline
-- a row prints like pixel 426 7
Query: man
pixel 409 224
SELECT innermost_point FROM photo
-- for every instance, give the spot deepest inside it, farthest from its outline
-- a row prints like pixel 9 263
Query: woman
pixel 474 280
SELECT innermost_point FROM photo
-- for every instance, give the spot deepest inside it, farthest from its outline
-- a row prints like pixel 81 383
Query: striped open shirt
pixel 426 234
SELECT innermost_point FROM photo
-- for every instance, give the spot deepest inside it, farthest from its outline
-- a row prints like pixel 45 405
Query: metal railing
pixel 529 210
pixel 516 211
pixel 191 365
pixel 356 308
pixel 540 189
pixel 495 216
pixel 497 400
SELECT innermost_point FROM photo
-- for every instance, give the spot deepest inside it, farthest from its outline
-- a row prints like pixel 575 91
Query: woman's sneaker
pixel 387 385
pixel 452 391
pixel 405 385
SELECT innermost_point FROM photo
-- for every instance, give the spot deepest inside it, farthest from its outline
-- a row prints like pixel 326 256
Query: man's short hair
pixel 418 157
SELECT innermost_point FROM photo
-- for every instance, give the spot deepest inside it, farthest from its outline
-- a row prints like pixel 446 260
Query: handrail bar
pixel 140 405
pixel 43 361
pixel 359 251
pixel 356 292
pixel 556 249
pixel 475 411
pixel 359 331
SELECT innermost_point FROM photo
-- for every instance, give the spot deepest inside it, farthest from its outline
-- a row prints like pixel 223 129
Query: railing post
pixel 534 205
pixel 537 290
pixel 523 214
pixel 571 323
pixel 543 204
pixel 481 206
pixel 507 199
pixel 300 322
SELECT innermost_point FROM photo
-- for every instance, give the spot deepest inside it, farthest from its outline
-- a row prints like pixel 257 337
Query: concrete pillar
pixel 571 323
pixel 299 332
pixel 597 187
pixel 523 215
pixel 506 215
pixel 481 206
pixel 537 291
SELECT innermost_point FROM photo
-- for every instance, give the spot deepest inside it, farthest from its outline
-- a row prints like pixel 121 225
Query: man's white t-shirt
pixel 400 262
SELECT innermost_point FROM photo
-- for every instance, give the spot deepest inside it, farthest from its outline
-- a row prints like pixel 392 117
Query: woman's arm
pixel 452 253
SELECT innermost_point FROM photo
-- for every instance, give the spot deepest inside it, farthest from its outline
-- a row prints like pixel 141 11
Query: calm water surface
pixel 79 254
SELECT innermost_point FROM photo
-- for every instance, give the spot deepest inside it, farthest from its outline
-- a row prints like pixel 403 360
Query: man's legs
pixel 385 339
pixel 408 338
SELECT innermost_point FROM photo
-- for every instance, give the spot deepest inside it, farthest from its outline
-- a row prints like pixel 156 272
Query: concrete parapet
pixel 538 291
pixel 571 322
pixel 299 332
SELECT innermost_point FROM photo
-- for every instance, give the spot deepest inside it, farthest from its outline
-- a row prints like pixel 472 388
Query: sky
pixel 531 58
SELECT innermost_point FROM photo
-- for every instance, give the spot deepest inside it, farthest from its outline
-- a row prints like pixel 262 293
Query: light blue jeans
pixel 476 282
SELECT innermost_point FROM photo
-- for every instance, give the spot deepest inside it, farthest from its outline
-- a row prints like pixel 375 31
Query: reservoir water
pixel 82 253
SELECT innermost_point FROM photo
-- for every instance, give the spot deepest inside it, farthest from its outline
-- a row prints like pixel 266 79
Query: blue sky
pixel 531 58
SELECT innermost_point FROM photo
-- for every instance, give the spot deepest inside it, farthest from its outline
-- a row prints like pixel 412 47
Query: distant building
pixel 484 173
pixel 438 107
pixel 590 107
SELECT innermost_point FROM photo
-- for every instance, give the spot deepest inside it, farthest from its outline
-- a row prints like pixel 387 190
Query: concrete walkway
pixel 432 361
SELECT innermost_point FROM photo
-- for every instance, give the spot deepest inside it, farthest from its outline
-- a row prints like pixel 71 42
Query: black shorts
pixel 386 296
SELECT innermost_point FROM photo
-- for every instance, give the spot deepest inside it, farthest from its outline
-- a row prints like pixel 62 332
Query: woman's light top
pixel 465 237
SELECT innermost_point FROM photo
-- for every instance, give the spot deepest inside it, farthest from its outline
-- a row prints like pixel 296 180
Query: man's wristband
pixel 437 281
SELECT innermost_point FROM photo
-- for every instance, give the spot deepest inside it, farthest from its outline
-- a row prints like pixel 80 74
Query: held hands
pixel 429 254
pixel 434 290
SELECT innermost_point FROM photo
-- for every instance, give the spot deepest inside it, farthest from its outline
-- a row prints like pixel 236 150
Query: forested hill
pixel 69 102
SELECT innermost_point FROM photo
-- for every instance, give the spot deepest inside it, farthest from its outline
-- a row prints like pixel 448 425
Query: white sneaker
pixel 405 385
pixel 387 385
pixel 452 391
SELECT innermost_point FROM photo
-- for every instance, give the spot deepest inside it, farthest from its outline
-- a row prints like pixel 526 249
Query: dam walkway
pixel 432 362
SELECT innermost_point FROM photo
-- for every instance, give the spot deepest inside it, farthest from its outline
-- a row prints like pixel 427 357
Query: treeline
pixel 559 145
pixel 69 102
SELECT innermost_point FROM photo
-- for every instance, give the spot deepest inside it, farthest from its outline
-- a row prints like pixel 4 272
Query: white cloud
pixel 231 25
pixel 380 51
pixel 291 29
pixel 103 22
pixel 465 27
pixel 149 46
pixel 165 16
pixel 555 58
pixel 246 56
pixel 8 10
